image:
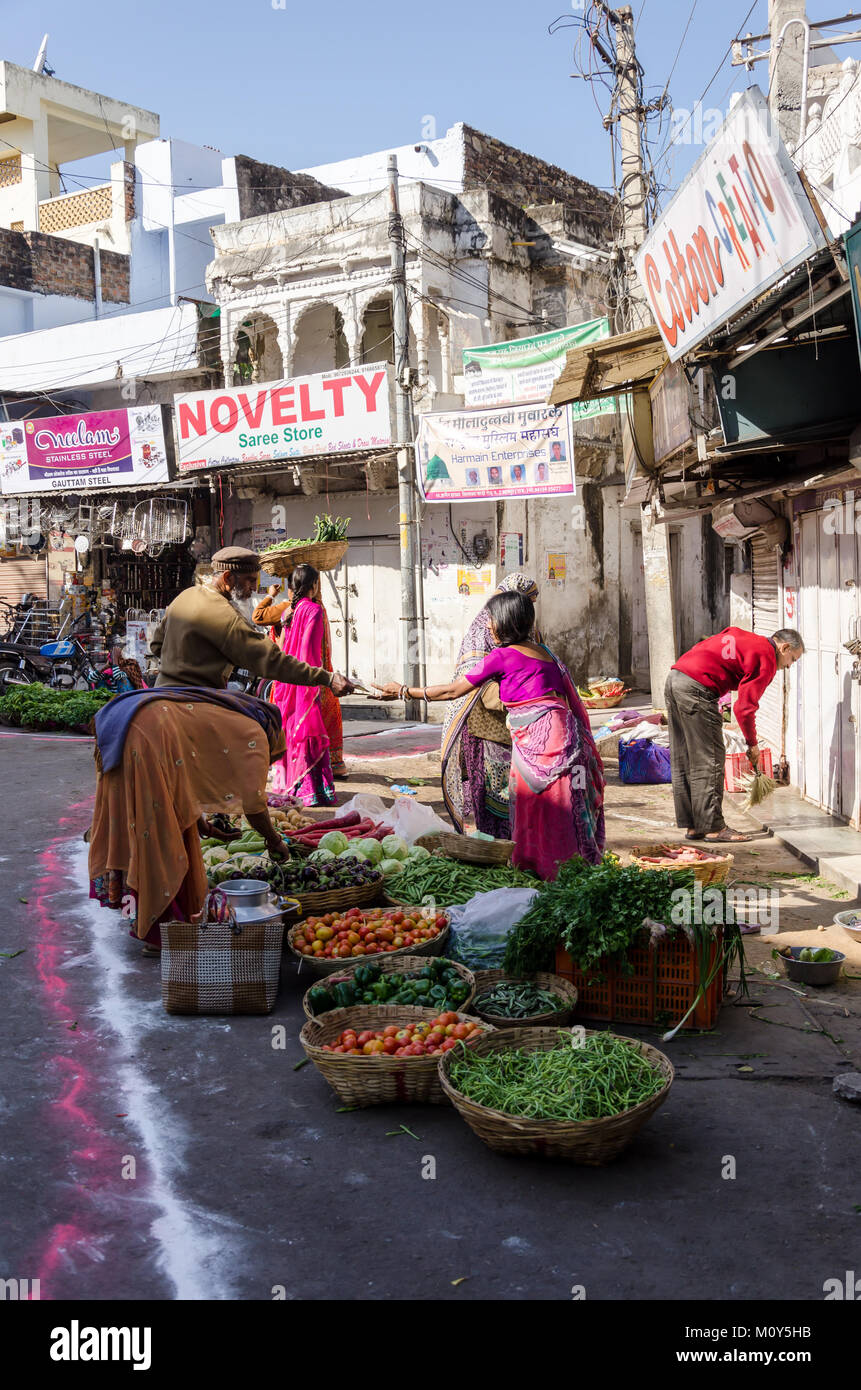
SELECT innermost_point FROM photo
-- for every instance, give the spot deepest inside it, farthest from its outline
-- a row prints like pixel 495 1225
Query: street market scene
pixel 430 683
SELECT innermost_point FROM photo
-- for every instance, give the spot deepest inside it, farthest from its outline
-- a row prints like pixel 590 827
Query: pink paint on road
pixel 82 1136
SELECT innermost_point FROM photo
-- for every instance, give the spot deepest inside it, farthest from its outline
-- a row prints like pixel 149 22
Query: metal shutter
pixel 767 618
pixel 23 576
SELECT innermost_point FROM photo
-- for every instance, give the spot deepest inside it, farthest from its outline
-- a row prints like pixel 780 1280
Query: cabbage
pixel 418 852
pixel 371 849
pixel 395 848
pixel 334 840
pixel 320 856
pixel 388 867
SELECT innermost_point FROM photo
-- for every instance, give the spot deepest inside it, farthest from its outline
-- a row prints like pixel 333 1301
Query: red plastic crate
pixel 664 981
pixel 737 769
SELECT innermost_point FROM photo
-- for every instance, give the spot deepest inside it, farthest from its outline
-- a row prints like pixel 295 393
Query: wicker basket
pixel 463 847
pixel 709 871
pixel 363 1081
pixel 394 964
pixel 486 979
pixel 593 1142
pixel 338 900
pixel 604 701
pixel 323 555
pixel 434 947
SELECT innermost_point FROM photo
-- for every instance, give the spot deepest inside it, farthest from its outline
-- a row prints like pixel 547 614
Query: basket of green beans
pixel 515 1000
pixel 579 1095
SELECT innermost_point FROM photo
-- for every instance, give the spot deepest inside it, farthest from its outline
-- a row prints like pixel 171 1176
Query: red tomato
pixel 364 1037
pixel 357 950
pixel 441 921
pixel 390 1046
pixel 460 1031
pixel 372 950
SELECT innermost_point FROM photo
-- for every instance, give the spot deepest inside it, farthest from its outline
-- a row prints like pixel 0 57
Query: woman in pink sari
pixel 305 770
pixel 556 786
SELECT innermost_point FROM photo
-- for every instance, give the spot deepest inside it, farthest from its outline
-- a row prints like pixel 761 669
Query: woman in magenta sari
pixel 556 786
pixel 305 770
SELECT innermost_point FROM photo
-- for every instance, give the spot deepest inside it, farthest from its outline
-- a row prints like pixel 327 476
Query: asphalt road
pixel 149 1156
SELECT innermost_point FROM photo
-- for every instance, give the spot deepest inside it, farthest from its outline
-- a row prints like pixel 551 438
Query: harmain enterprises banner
pixel 739 222
pixel 524 451
pixel 330 413
pixel 104 448
pixel 526 368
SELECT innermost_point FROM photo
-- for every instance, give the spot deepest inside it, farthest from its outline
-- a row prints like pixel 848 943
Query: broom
pixel 759 786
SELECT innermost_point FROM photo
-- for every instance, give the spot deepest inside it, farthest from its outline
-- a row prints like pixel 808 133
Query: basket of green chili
pixel 515 1000
pixel 579 1096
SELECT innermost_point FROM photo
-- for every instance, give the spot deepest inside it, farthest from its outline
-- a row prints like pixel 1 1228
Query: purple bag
pixel 642 760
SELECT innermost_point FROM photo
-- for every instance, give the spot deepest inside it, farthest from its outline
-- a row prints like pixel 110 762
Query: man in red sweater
pixel 731 660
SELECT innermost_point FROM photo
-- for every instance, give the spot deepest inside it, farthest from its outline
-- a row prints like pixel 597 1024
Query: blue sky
pixel 311 83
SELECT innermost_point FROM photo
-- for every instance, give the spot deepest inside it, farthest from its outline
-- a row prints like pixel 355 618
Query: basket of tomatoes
pixel 340 940
pixel 386 1055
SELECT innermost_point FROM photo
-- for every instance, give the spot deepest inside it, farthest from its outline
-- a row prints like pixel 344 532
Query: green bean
pixel 606 1076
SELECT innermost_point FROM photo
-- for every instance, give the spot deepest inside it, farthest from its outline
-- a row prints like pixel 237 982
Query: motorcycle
pixel 64 664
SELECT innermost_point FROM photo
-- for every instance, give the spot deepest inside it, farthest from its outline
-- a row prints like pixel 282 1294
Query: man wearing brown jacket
pixel 203 635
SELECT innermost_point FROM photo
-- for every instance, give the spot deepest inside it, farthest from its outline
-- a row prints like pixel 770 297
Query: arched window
pixel 319 342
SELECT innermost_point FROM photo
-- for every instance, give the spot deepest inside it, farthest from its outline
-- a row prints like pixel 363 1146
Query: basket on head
pixel 434 947
pixel 463 847
pixel 379 1080
pixel 591 1142
pixel 323 555
pixel 556 984
pixel 707 871
pixel 393 964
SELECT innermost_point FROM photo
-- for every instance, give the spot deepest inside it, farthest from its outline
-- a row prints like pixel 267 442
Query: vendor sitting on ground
pixel 203 636
pixel 731 660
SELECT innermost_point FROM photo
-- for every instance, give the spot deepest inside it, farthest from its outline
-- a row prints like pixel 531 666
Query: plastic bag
pixel 480 928
pixel 642 761
pixel 408 818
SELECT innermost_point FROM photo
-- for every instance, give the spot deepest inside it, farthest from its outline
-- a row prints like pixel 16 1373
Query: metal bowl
pixel 850 921
pixel 812 972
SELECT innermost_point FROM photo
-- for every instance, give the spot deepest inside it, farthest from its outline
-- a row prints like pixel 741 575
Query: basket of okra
pixel 514 1001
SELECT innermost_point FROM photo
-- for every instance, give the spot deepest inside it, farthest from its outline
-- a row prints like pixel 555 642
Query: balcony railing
pixel 76 209
pixel 833 125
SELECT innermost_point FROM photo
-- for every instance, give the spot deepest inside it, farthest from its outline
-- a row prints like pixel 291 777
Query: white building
pixel 499 245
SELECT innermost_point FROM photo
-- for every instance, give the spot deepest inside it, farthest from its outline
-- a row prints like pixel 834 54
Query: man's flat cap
pixel 236 559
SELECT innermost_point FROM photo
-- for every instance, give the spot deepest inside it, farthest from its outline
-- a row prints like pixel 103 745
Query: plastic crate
pixel 737 769
pixel 664 982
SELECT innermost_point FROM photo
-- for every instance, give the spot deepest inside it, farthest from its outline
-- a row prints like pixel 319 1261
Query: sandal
pixel 735 837
pixel 151 951
pixel 695 835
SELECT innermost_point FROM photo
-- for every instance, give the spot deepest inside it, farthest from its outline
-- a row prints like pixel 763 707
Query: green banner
pixel 526 368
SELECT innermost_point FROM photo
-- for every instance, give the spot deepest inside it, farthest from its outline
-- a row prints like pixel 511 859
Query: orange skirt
pixel 179 761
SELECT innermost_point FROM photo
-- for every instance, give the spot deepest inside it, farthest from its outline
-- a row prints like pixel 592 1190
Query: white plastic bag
pixel 479 929
pixel 408 818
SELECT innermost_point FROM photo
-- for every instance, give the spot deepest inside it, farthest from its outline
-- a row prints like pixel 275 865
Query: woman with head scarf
pixel 305 770
pixel 556 781
pixel 476 745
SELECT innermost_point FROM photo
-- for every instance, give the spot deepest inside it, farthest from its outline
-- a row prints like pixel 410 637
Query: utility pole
pixel 631 112
pixel 627 104
pixel 404 429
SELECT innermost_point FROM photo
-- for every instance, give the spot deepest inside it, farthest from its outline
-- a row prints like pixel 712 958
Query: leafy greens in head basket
pixel 326 528
pixel 600 911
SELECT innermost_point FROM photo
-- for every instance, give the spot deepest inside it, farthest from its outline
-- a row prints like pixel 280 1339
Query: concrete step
pixel 828 845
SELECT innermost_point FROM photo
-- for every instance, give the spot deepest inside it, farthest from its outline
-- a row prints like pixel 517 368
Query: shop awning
pixel 609 366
